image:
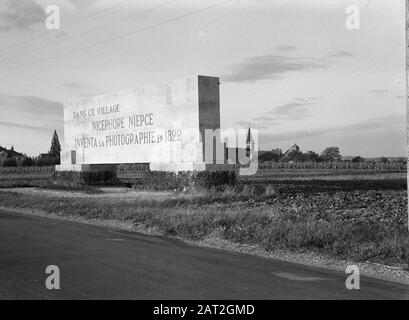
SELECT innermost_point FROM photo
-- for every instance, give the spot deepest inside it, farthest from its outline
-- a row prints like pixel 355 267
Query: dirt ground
pixel 106 193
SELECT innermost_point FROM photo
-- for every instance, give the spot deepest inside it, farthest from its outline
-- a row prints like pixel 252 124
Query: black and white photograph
pixel 203 156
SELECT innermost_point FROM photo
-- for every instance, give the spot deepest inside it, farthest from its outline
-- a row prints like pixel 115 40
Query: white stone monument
pixel 159 125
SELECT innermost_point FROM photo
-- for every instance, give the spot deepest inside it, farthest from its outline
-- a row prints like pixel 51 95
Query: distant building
pixel 233 155
pixel 277 151
pixel 42 156
pixel 249 144
pixel 295 147
pixel 390 159
pixel 10 153
pixel 3 156
pixel 267 156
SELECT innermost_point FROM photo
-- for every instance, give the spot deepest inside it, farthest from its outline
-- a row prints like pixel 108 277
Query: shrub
pixel 72 180
pixel 161 180
pixel 27 162
pixel 10 162
pixel 47 161
pixel 186 180
pixel 213 179
pixel 98 178
pixel 67 186
pixel 71 176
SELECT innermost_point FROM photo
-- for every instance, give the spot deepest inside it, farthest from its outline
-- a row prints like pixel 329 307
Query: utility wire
pixel 118 36
pixel 65 26
pixel 10 57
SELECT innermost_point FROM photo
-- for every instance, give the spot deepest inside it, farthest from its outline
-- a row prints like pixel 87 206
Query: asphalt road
pixel 103 263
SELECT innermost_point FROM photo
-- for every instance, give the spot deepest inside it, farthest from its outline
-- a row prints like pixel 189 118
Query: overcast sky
pixel 288 67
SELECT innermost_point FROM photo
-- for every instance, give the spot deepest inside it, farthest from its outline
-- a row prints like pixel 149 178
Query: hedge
pixel 186 180
pixel 152 181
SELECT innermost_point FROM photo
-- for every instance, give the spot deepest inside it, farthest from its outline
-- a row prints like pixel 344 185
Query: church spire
pixel 249 137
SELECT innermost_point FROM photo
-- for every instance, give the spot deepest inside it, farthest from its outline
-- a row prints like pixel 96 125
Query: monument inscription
pixel 156 124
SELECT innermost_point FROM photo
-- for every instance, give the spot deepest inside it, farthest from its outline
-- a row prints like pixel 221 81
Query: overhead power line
pixel 10 57
pixel 31 39
pixel 118 36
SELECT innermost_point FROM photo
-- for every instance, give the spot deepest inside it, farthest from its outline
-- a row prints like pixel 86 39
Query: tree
pixel 269 156
pixel 55 148
pixel 384 160
pixel 311 156
pixel 10 152
pixel 10 162
pixel 47 161
pixel 358 159
pixel 331 154
pixel 27 162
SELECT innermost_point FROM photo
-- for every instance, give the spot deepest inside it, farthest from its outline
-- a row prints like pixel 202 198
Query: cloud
pixel 81 4
pixel 341 54
pixel 73 85
pixel 263 118
pixel 87 94
pixel 263 122
pixel 370 137
pixel 394 122
pixel 268 67
pixel 31 112
pixel 18 14
pixel 242 123
pixel 286 48
pixel 23 126
pixel 379 91
pixel 61 34
pixel 28 122
pixel 295 109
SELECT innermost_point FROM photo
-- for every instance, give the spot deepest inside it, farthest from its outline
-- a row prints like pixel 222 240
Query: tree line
pixel 46 159
pixel 330 154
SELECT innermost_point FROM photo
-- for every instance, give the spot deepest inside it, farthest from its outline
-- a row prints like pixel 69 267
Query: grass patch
pixel 349 224
pixel 69 186
pixel 20 183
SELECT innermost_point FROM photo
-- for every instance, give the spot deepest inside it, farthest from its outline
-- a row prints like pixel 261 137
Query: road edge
pixel 307 258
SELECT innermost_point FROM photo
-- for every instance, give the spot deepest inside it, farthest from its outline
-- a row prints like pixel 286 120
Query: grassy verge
pixel 20 183
pixel 52 185
pixel 357 224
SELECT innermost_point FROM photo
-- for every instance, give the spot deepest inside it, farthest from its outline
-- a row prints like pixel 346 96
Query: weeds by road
pixel 359 224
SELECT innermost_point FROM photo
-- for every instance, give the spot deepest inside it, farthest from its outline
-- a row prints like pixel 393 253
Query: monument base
pixel 177 166
pixel 192 166
pixel 155 166
pixel 86 167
